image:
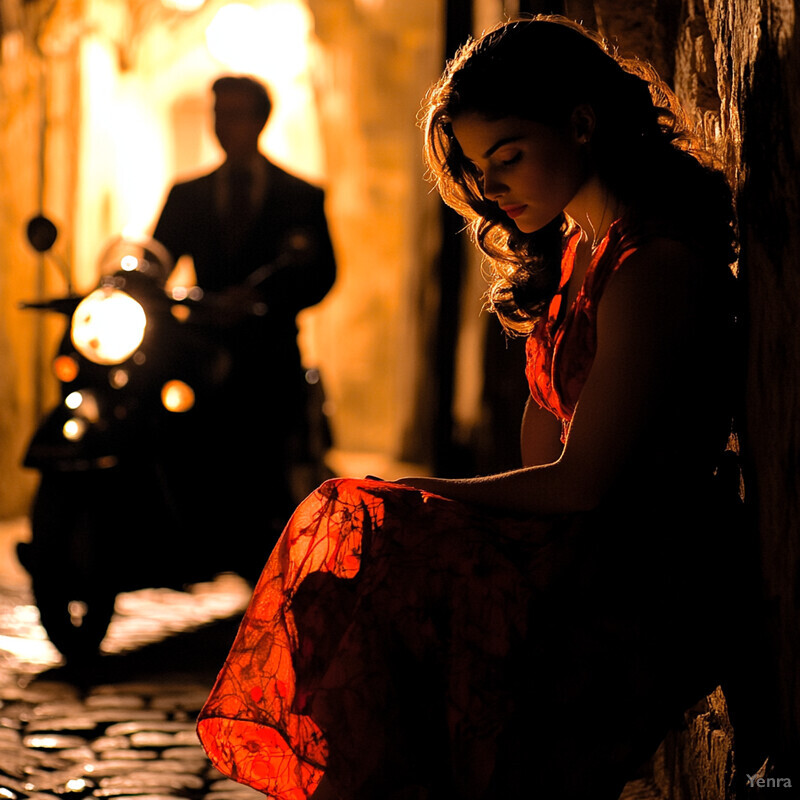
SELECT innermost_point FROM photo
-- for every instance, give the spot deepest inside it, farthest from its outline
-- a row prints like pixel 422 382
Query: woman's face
pixel 531 170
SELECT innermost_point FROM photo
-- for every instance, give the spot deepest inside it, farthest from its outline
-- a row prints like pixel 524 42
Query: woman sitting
pixel 532 633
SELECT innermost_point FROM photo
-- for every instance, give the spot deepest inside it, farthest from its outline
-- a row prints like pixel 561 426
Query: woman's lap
pixel 399 636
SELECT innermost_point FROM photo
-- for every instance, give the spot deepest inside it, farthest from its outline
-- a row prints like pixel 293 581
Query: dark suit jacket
pixel 266 381
pixel 291 220
pixel 190 224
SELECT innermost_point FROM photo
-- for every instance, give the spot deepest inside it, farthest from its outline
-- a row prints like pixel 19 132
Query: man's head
pixel 242 106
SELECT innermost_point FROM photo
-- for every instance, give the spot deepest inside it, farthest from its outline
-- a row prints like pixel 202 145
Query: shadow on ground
pixel 195 656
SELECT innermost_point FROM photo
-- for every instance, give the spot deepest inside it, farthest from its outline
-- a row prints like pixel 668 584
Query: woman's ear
pixel 583 121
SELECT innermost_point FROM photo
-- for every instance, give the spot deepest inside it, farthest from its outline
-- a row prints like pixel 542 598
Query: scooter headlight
pixel 108 326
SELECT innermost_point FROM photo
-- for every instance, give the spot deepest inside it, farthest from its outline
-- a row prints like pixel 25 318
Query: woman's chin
pixel 530 224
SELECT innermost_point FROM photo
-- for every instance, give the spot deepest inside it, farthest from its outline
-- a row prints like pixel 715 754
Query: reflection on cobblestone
pixel 135 740
pixel 151 614
pixel 126 739
pixel 140 618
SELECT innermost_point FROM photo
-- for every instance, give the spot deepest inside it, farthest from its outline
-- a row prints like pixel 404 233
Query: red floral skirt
pixel 405 645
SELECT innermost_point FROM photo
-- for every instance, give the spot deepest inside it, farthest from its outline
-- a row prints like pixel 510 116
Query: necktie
pixel 240 209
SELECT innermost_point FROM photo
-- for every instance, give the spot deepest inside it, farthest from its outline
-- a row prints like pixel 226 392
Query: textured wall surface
pixel 756 48
pixel 24 338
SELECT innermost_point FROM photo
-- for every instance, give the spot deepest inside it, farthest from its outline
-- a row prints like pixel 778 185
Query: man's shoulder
pixel 286 181
pixel 195 184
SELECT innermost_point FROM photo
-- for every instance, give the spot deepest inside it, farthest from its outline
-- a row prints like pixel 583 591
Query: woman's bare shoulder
pixel 661 271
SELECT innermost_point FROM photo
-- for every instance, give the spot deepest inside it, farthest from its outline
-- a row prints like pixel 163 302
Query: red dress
pixel 409 646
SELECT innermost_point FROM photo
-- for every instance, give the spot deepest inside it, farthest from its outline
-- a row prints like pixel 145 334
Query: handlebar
pixel 60 305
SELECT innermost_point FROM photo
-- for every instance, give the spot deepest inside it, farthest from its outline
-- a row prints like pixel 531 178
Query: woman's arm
pixel 645 332
pixel 540 436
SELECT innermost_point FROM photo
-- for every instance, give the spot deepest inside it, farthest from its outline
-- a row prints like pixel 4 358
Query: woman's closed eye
pixel 510 160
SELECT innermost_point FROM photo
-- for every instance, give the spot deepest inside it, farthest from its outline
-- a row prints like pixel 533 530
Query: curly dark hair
pixel 643 148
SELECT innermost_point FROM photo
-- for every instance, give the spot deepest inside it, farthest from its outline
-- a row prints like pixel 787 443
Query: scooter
pixel 123 453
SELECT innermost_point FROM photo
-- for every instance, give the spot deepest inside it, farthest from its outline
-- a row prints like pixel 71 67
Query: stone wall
pixel 379 60
pixel 750 50
pixel 38 127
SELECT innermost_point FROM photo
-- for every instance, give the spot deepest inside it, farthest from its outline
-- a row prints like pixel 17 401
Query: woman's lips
pixel 513 211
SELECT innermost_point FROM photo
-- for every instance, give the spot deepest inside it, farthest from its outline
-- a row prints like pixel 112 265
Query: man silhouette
pixel 259 240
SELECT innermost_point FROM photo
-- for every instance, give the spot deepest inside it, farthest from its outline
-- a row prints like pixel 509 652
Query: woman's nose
pixel 492 187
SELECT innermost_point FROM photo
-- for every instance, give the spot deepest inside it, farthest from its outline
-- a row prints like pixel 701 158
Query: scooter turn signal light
pixel 177 396
pixel 65 368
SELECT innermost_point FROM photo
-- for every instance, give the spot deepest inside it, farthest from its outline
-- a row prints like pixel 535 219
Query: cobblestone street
pixel 130 733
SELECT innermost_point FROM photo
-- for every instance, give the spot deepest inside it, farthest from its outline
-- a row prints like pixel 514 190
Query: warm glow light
pixel 181 313
pixel 86 402
pixel 129 263
pixel 44 741
pixel 232 36
pixel 108 326
pixel 119 378
pixel 183 5
pixel 270 41
pixel 286 28
pixel 65 368
pixel 177 396
pixel 74 429
pixel 73 400
pixel 77 611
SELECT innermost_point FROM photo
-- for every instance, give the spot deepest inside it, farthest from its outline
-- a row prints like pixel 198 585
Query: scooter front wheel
pixel 69 560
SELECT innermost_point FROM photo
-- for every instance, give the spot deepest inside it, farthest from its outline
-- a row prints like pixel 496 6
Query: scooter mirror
pixel 41 233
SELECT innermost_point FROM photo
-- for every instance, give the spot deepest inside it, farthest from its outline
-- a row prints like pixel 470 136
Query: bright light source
pixel 183 5
pixel 271 41
pixel 65 368
pixel 232 36
pixel 86 402
pixel 74 429
pixel 119 378
pixel 73 400
pixel 177 396
pixel 45 742
pixel 286 27
pixel 108 326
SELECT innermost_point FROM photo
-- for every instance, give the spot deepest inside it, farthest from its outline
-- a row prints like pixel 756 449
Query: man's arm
pixel 171 228
pixel 306 267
